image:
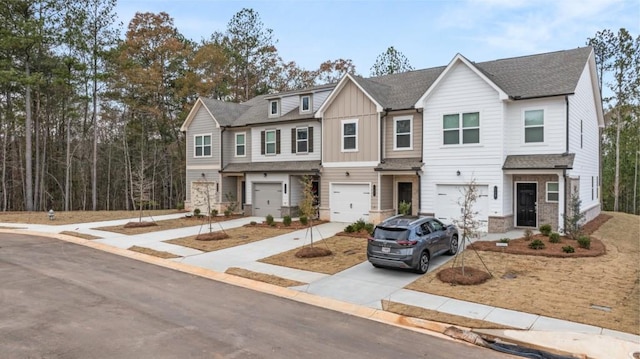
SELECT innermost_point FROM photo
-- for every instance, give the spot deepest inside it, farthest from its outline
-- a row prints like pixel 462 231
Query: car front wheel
pixel 453 246
pixel 423 263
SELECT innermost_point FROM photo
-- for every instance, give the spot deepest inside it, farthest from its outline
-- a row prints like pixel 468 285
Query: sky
pixel 428 32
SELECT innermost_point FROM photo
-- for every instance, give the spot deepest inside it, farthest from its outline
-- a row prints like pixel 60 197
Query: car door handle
pixel 351 205
pixel 268 202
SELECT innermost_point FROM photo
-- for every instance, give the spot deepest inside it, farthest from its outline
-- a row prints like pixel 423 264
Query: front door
pixel 526 204
pixel 405 194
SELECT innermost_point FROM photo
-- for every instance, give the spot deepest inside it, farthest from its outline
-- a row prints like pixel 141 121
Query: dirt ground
pixel 80 235
pixel 262 277
pixel 601 291
pixel 62 217
pixel 346 252
pixel 237 236
pixel 153 252
pixel 164 225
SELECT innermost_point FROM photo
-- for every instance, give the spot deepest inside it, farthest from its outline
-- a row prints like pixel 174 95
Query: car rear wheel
pixel 423 263
pixel 453 246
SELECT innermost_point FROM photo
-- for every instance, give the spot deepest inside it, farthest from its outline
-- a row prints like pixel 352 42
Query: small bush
pixel 269 219
pixel 554 237
pixel 196 212
pixel 286 221
pixel 568 249
pixel 214 212
pixel 359 225
pixel 253 223
pixel 369 227
pixel 227 212
pixel 404 208
pixel 350 228
pixel 584 242
pixel 545 229
pixel 504 240
pixel 180 206
pixel 536 244
pixel 272 224
pixel 304 220
pixel 528 234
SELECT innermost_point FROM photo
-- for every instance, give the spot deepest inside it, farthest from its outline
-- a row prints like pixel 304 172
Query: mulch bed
pixel 213 236
pixel 313 252
pixel 521 246
pixel 472 276
pixel 140 224
pixel 205 219
pixel 361 234
pixel 294 225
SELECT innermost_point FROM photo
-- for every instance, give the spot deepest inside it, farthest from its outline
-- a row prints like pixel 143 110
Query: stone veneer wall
pixel 547 211
pixel 376 217
pixel 500 224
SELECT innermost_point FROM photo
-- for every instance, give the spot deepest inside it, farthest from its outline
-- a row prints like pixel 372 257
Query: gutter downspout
pixel 222 129
pixel 418 173
pixel 567 185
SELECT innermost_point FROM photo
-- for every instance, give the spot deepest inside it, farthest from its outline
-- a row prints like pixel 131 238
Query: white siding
pixel 463 91
pixel 285 143
pixel 555 118
pixel 289 103
pixel 295 190
pixel 318 99
pixel 586 164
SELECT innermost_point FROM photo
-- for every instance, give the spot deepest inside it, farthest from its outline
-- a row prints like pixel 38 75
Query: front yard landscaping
pixel 237 236
pixel 131 228
pixel 69 217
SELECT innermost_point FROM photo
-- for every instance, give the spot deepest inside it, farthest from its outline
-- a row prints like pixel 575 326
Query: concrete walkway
pixel 362 284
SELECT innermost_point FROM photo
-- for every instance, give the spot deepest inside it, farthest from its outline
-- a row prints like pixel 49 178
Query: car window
pixel 437 226
pixel 425 228
pixel 391 234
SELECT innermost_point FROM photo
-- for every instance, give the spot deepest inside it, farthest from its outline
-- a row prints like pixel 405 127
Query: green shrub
pixel 359 225
pixel 504 240
pixel 404 208
pixel 584 242
pixel 196 212
pixel 536 244
pixel 369 227
pixel 228 212
pixel 269 219
pixel 304 220
pixel 214 212
pixel 350 228
pixel 554 237
pixel 253 223
pixel 180 206
pixel 528 235
pixel 545 229
pixel 286 221
pixel 272 224
pixel 568 249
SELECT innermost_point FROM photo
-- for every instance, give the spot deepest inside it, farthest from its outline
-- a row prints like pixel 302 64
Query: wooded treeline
pixel 91 121
pixel 90 117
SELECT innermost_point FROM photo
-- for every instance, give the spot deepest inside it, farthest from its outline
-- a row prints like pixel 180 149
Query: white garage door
pixel 267 199
pixel 448 209
pixel 350 202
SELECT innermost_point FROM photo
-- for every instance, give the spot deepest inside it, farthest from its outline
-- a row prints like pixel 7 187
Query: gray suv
pixel 410 242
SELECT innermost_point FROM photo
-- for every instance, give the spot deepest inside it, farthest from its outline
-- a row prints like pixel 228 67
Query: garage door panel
pixel 448 206
pixel 350 202
pixel 267 199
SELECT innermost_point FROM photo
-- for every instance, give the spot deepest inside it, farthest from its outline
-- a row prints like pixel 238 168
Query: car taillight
pixel 405 242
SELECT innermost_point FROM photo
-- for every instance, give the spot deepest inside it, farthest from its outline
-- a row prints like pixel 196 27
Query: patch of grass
pixel 427 314
pixel 153 252
pixel 266 278
pixel 237 236
pixel 610 279
pixel 346 252
pixel 69 217
pixel 80 235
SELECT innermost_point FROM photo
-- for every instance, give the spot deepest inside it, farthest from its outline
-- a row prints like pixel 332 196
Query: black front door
pixel 526 205
pixel 405 193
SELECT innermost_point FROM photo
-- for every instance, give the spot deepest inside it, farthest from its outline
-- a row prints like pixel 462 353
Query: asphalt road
pixel 61 300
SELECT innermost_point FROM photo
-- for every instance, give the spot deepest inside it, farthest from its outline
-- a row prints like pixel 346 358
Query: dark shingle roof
pixel 548 74
pixel 400 164
pixel 282 166
pixel 539 162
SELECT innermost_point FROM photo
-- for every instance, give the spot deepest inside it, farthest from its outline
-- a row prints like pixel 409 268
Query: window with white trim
pixel 349 135
pixel 202 146
pixel 305 103
pixel 552 192
pixel 534 126
pixel 302 140
pixel 270 142
pixel 241 144
pixel 456 132
pixel 402 133
pixel 274 108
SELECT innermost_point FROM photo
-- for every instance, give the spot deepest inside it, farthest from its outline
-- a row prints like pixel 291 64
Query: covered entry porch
pixel 400 185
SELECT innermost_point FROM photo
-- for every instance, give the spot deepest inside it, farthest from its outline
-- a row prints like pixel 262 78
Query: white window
pixel 302 140
pixel 274 108
pixel 552 192
pixel 349 135
pixel 534 126
pixel 453 128
pixel 241 144
pixel 305 103
pixel 270 142
pixel 202 146
pixel 402 133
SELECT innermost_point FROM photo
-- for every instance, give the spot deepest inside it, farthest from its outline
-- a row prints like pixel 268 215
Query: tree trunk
pixel 616 181
pixel 28 180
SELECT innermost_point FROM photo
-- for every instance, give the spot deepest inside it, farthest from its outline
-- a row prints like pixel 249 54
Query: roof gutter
pixel 517 98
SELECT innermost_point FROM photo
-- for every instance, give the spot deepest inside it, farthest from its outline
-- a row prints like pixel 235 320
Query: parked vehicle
pixel 410 242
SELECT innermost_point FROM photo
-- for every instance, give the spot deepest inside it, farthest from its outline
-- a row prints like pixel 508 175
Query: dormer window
pixel 274 108
pixel 305 103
